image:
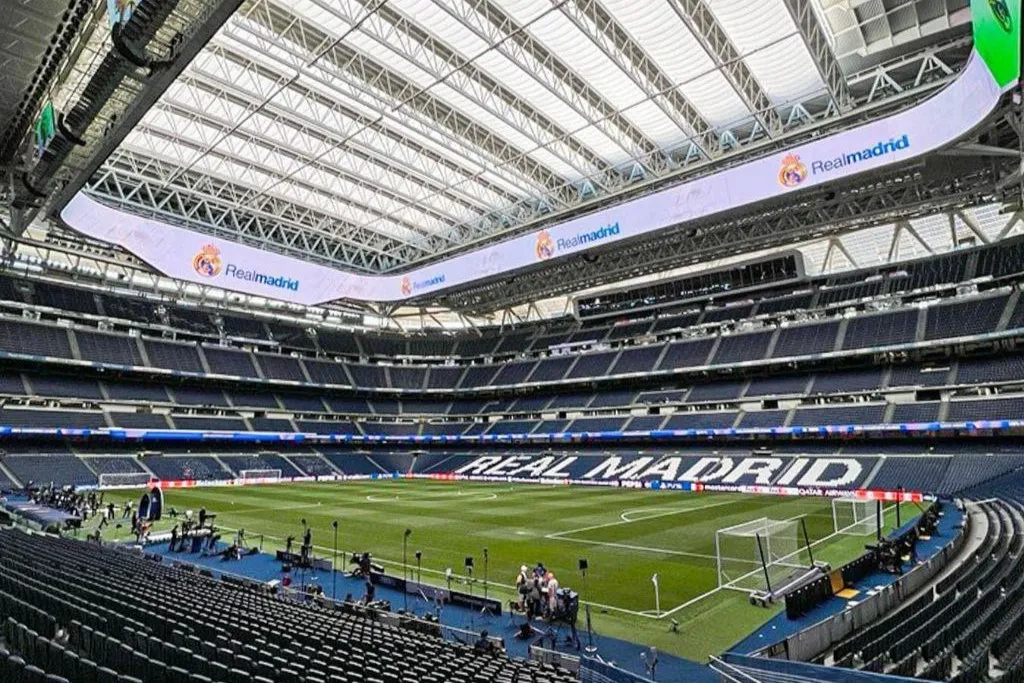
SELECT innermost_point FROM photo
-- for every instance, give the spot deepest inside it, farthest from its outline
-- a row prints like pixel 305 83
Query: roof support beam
pixel 407 39
pixel 698 17
pixel 513 40
pixel 404 93
pixel 814 37
pixel 246 148
pixel 365 167
pixel 134 182
pixel 592 19
pixel 393 141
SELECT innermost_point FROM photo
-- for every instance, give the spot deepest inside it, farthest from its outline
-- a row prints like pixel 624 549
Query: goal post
pixel 852 517
pixel 761 553
pixel 259 476
pixel 124 480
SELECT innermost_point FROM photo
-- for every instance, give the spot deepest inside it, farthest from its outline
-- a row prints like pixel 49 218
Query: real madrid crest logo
pixel 406 286
pixel 1001 11
pixel 207 262
pixel 792 172
pixel 545 247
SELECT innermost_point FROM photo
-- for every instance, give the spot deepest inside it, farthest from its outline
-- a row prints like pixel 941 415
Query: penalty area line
pixel 560 535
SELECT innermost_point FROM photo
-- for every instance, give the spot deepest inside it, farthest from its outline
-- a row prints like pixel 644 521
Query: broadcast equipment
pixel 485 573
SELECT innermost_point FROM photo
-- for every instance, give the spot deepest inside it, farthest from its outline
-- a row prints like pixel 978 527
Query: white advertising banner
pixel 194 257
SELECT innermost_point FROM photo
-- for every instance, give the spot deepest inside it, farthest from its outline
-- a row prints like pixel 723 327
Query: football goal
pixel 756 555
pixel 857 517
pixel 124 480
pixel 260 476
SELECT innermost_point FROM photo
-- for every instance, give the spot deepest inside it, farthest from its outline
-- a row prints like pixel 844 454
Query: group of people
pixel 65 498
pixel 538 592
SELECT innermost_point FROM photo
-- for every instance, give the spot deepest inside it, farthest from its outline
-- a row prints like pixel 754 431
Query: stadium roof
pixel 372 134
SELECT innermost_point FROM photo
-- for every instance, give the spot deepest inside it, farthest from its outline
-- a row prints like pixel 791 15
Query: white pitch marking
pixel 561 534
pixel 241 511
pixel 663 551
pixel 627 516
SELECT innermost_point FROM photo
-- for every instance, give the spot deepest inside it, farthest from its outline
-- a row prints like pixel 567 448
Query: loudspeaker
pixel 584 565
pixel 469 562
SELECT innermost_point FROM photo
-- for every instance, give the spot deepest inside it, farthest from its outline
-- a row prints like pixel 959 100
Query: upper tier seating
pixel 34 340
pixel 281 367
pixel 976 315
pixel 108 348
pixel 742 347
pixel 883 329
pixel 229 362
pixel 686 353
pixel 802 340
pixel 173 356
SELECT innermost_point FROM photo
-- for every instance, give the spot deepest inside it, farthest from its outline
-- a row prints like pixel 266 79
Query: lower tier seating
pixel 129 618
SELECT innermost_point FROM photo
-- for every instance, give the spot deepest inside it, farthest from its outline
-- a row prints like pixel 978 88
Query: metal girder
pixel 406 38
pixel 364 161
pixel 592 19
pixel 382 111
pixel 899 195
pixel 311 103
pixel 373 188
pixel 698 17
pixel 824 58
pixel 134 183
pixel 242 165
pixel 403 92
pixel 512 40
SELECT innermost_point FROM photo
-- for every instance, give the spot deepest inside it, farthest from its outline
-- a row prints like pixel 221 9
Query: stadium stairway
pixel 263 567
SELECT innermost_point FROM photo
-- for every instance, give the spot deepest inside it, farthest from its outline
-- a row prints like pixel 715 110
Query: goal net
pixel 857 517
pixel 259 476
pixel 761 553
pixel 124 480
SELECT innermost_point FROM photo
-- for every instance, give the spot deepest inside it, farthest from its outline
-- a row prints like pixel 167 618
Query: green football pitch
pixel 626 535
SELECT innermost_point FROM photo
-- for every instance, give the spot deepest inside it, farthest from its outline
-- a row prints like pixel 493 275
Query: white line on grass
pixel 561 534
pixel 445 495
pixel 239 511
pixel 626 546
